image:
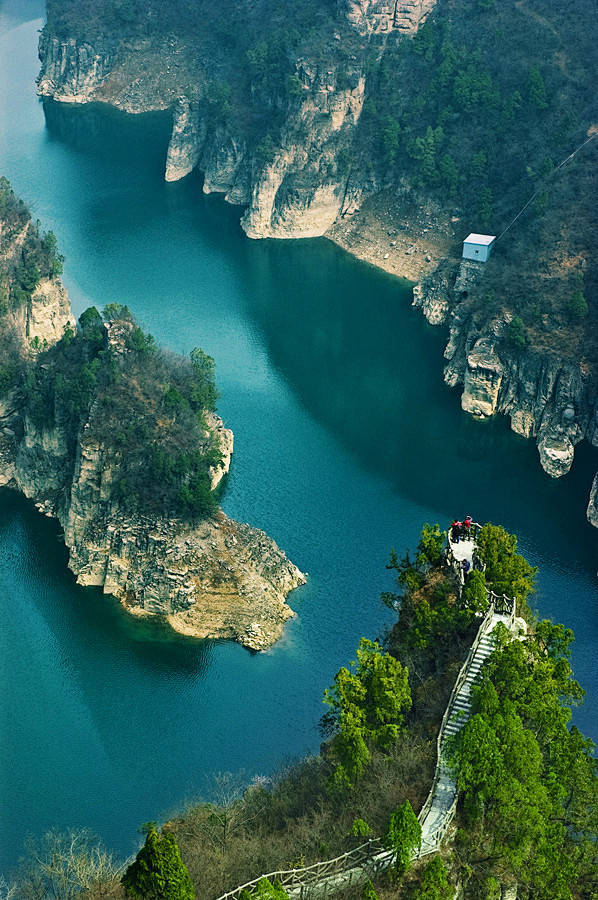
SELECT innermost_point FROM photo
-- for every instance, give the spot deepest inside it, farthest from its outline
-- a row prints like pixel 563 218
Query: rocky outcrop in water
pixel 219 579
pixel 216 578
pixel 188 135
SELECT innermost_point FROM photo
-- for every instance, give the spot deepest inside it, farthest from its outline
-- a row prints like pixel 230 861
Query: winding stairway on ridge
pixel 437 813
pixel 440 807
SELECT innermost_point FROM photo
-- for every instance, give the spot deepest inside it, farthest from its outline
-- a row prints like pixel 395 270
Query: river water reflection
pixel 346 441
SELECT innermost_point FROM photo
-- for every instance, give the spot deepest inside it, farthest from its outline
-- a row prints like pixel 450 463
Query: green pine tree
pixel 404 835
pixel 536 89
pixel 158 872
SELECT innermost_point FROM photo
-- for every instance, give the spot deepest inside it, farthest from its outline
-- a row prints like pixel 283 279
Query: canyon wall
pixel 314 178
pixel 547 398
pixel 306 179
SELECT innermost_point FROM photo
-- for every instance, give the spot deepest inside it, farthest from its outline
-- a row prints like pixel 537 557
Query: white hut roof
pixel 480 239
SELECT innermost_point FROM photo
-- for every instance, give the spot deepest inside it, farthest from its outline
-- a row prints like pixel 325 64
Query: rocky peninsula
pixel 93 426
pixel 377 126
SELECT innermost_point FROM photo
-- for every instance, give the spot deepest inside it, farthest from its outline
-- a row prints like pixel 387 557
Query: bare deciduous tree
pixel 229 811
pixel 63 864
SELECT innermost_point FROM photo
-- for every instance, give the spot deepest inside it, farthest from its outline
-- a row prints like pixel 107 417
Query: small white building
pixel 478 246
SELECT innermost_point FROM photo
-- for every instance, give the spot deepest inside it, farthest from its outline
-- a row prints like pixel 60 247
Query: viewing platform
pixel 461 551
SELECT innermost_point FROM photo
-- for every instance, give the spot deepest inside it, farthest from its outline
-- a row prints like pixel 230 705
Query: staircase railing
pixel 372 855
pixel 292 879
pixel 448 712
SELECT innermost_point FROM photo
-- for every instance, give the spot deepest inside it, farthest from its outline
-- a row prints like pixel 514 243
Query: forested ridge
pixel 145 405
pixel 528 780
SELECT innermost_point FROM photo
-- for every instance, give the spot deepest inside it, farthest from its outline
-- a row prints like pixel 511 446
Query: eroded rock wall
pixel 300 194
pixel 218 579
pixel 72 71
pixel 547 398
pixel 381 16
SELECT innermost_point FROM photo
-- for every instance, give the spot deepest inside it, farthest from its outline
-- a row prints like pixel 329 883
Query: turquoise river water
pixel 346 441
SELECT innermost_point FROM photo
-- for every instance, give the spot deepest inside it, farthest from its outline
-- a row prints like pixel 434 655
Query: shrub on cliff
pixel 434 884
pixel 577 306
pixel 265 890
pixel 507 572
pixel 516 334
pixel 158 872
pixel 66 865
pixel 367 707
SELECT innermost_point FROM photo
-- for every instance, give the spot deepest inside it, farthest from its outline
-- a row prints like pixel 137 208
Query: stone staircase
pixel 461 709
pixel 439 809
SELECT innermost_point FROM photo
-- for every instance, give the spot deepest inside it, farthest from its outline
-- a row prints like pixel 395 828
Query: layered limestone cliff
pixel 73 71
pixel 217 579
pixel 592 512
pixel 304 182
pixel 301 192
pixel 381 16
pixel 547 398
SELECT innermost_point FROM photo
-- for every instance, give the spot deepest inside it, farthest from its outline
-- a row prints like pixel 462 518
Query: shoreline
pixel 398 236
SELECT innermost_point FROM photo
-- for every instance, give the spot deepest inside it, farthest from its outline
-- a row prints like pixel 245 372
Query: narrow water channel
pixel 346 441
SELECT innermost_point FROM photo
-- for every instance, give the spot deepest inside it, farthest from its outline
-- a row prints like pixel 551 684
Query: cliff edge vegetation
pixel 120 441
pixel 527 815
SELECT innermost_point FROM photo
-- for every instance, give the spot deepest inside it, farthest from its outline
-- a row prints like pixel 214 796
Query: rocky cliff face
pixel 219 579
pixel 47 312
pixel 381 16
pixel 307 181
pixel 72 71
pixel 301 192
pixel 546 397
